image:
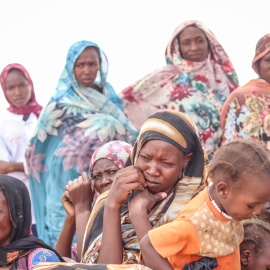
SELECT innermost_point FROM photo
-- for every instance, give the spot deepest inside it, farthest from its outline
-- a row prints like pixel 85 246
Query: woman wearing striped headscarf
pixel 246 111
pixel 166 158
pixel 169 163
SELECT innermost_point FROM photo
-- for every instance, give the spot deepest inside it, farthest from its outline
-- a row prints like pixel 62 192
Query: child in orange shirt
pixel 210 224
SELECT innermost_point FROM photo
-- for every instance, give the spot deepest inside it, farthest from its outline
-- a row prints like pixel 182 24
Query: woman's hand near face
pixel 141 202
pixel 64 241
pixel 81 192
pixel 68 205
pixel 126 180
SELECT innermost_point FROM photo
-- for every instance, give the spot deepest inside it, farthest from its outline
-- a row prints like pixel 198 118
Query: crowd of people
pixel 172 173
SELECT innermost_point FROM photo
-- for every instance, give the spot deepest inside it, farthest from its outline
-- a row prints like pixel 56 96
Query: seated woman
pixel 197 80
pixel 167 158
pixel 18 248
pixel 255 248
pixel 17 122
pixel 83 114
pixel 245 112
pixel 210 226
pixel 106 161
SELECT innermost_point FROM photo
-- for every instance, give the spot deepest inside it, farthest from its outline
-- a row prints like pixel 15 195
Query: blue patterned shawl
pixel 71 127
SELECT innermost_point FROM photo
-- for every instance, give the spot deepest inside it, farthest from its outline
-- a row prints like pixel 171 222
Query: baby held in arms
pixel 209 227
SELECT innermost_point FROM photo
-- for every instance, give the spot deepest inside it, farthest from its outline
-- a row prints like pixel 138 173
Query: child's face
pixel 265 211
pixel 260 261
pixel 244 200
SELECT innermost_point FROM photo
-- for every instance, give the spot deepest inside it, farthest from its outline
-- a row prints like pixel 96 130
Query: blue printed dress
pixel 71 127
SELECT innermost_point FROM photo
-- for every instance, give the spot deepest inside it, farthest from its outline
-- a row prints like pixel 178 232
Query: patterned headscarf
pixel 116 151
pixel 177 129
pixel 197 89
pixel 262 48
pixel 32 105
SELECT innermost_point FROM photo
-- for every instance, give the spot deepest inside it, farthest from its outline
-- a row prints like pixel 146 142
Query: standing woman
pixel 197 80
pixel 246 111
pixel 83 114
pixel 17 122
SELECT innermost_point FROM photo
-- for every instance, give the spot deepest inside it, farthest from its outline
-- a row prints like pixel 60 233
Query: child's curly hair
pixel 256 235
pixel 237 157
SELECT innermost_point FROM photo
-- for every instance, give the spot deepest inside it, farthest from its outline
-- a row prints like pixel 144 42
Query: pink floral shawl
pixel 198 89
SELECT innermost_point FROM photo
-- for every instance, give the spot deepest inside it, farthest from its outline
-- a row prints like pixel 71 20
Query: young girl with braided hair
pixel 255 248
pixel 210 224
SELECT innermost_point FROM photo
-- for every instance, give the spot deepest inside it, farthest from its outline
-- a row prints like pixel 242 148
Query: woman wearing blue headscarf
pixel 83 114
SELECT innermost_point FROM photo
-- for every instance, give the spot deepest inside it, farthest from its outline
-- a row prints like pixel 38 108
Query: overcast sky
pixel 132 33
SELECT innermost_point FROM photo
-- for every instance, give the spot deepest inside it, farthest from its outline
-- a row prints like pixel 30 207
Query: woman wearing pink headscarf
pixel 80 193
pixel 17 122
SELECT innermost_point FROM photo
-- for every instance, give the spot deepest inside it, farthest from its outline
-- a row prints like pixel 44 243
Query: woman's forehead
pixel 161 148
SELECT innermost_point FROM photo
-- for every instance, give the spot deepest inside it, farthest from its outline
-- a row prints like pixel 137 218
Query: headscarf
pixel 262 48
pixel 177 129
pixel 32 105
pixel 246 112
pixel 196 88
pixel 116 151
pixel 21 239
pixel 76 121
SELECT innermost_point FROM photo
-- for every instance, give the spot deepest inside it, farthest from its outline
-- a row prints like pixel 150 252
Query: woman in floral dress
pixel 246 111
pixel 83 114
pixel 197 80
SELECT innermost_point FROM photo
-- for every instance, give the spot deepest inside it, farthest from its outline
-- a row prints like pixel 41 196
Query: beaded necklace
pixel 215 204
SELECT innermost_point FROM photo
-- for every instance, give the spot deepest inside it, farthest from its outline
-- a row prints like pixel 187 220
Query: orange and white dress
pixel 199 230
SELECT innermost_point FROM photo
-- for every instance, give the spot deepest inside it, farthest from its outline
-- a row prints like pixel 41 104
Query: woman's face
pixel 264 67
pixel 5 222
pixel 87 66
pixel 17 89
pixel 161 164
pixel 193 44
pixel 104 172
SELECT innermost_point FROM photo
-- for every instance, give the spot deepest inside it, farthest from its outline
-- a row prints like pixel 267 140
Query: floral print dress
pixel 246 113
pixel 198 89
pixel 71 127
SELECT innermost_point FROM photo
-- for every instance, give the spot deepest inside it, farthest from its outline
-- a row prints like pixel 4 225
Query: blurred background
pixel 133 34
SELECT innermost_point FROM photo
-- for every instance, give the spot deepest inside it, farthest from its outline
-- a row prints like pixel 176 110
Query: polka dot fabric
pixel 217 238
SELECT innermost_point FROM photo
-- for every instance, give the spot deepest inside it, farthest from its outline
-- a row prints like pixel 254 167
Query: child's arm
pixel 64 241
pixel 151 258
